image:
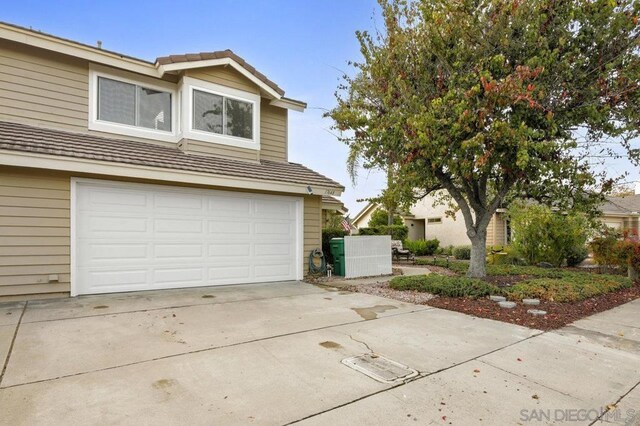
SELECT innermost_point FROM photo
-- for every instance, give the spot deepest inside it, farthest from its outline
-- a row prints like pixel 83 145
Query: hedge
pixel 572 287
pixel 445 286
pixel 397 232
pixel 422 247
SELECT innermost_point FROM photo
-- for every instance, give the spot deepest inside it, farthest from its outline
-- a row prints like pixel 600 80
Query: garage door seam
pixel 210 349
pixel 13 340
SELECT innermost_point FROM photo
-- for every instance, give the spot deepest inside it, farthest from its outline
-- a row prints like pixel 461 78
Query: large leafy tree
pixel 491 99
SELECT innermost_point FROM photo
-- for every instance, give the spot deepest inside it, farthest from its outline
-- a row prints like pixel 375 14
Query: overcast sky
pixel 302 45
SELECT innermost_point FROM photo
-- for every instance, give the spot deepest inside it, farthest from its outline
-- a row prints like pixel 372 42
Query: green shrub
pixel 542 235
pixel 462 252
pixel 397 232
pixel 459 267
pixel 503 255
pixel 327 235
pixel 445 286
pixel 576 255
pixel 422 247
pixel 445 251
pixel 571 287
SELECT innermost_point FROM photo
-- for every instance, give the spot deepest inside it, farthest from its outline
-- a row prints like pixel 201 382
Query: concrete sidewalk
pixel 271 354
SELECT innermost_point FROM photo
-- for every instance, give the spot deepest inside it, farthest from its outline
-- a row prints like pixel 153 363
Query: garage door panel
pixel 228 227
pixel 226 206
pixel 229 250
pixel 273 209
pixel 123 224
pixel 136 237
pixel 101 253
pixel 163 226
pixel 273 249
pixel 229 273
pixel 177 276
pixel 110 199
pixel 177 250
pixel 171 202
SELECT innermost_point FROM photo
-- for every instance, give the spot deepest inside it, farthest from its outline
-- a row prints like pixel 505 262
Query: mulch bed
pixel 504 280
pixel 558 314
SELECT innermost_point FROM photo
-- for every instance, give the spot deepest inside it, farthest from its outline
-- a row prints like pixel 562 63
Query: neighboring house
pixel 622 213
pixel 331 207
pixel 119 174
pixel 426 221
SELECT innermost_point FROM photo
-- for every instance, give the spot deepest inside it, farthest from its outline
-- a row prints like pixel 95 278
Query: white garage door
pixel 131 237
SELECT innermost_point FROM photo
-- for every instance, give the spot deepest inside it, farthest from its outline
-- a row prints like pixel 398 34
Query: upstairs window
pixel 133 105
pixel 214 113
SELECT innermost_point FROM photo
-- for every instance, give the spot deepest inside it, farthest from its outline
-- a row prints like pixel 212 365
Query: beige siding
pixel 273 132
pixel 34 233
pixel 50 90
pixel 312 227
pixel 225 76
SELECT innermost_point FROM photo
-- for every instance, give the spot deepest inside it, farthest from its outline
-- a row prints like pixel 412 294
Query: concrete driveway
pixel 271 354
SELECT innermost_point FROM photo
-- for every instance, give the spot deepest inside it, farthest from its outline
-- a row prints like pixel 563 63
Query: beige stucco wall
pixel 451 231
pixel 45 89
pixel 35 231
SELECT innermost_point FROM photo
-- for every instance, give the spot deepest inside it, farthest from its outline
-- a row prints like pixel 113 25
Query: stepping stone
pixel 532 302
pixel 507 305
pixel 537 312
pixel 497 298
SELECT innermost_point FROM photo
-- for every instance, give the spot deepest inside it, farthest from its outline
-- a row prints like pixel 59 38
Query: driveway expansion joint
pixel 203 349
pixel 13 340
pixel 420 376
pixel 615 404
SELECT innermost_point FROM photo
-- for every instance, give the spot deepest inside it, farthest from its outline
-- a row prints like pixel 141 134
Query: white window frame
pixel 96 71
pixel 436 221
pixel 189 85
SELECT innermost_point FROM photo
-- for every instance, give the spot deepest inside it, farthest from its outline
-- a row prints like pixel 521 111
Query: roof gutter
pixel 95 167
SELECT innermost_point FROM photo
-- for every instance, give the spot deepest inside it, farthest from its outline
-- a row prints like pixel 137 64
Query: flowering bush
pixel 619 250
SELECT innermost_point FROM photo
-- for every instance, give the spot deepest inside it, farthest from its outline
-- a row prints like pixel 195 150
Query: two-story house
pixel 118 174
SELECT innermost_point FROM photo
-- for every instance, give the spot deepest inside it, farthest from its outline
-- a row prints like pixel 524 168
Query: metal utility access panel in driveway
pixel 130 237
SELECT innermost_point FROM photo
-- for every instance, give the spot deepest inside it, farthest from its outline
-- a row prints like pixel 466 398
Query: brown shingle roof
pixel 21 137
pixel 219 54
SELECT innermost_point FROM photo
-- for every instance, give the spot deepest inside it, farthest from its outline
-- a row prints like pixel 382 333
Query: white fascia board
pixel 163 69
pixel 81 165
pixel 285 103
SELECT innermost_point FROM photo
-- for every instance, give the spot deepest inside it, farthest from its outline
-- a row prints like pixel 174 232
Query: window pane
pixel 154 109
pixel 239 119
pixel 207 112
pixel 116 101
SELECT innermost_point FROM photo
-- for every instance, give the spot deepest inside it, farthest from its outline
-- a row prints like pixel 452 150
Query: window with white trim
pixel 220 114
pixel 434 220
pixel 133 105
pixel 127 104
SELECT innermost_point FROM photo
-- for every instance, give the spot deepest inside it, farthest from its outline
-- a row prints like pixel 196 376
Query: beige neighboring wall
pixel 45 89
pixel 35 231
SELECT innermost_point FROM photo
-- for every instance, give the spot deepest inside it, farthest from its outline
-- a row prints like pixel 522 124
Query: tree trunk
pixel 477 264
